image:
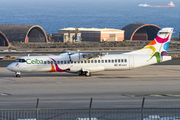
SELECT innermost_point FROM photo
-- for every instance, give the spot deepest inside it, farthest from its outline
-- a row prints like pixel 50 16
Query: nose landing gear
pixel 17 74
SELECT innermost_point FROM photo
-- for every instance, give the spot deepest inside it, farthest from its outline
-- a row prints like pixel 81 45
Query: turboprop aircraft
pixel 87 63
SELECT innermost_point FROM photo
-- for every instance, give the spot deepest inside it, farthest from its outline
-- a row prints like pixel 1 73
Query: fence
pixel 92 114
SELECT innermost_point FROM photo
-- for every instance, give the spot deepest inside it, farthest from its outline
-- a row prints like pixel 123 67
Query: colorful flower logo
pixel 153 46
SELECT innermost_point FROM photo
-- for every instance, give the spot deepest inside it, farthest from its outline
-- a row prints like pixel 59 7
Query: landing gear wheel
pixel 81 73
pixel 87 74
pixel 17 75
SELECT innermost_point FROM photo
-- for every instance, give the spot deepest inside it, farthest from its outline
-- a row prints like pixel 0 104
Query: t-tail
pixel 156 50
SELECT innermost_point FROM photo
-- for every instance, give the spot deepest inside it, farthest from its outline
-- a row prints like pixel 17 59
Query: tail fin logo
pixel 154 46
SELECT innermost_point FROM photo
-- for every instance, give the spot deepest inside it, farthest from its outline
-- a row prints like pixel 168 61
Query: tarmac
pixel 159 84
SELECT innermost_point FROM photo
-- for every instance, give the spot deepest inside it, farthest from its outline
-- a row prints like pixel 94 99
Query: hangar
pixel 140 31
pixel 24 33
pixel 3 40
pixel 96 34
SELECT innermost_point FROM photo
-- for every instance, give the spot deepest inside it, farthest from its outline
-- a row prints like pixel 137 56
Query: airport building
pixel 3 40
pixel 140 31
pixel 21 33
pixel 66 37
pixel 92 34
pixel 35 33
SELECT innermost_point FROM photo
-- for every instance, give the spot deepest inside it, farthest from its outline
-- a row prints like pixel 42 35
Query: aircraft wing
pixel 92 55
pixel 76 56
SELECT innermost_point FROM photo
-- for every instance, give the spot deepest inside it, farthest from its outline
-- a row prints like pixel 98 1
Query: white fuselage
pixel 62 63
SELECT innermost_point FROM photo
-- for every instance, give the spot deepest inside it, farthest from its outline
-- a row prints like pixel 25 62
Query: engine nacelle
pixel 76 57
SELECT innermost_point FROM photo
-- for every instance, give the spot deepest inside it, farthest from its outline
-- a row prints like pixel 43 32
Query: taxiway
pixel 109 89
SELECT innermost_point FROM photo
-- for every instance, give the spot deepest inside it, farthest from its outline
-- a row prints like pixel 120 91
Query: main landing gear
pixel 86 73
pixel 17 74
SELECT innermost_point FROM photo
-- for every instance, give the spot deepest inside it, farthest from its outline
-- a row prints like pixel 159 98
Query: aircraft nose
pixel 10 67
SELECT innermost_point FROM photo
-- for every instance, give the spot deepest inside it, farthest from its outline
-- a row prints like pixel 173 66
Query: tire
pixel 87 74
pixel 17 75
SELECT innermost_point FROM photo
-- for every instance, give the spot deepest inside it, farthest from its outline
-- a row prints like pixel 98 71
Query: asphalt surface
pixel 109 89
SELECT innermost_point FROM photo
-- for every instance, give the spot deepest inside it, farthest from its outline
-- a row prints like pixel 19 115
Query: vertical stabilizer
pixel 160 44
pixel 158 47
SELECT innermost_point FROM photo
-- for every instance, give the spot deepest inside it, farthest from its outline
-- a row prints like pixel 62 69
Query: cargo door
pixel 131 62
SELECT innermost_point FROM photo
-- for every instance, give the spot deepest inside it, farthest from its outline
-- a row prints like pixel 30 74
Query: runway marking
pixel 58 82
pixel 113 77
pixel 155 95
pixel 4 94
pixel 7 78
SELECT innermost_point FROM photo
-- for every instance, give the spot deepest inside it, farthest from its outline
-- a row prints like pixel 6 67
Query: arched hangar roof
pixel 24 33
pixel 3 40
pixel 140 31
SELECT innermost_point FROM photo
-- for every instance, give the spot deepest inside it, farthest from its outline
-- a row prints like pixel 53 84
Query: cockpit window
pixel 20 60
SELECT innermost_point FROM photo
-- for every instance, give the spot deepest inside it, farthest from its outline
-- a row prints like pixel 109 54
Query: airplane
pixel 85 63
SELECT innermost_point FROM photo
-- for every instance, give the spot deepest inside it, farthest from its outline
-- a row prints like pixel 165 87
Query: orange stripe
pixel 152 43
pixel 52 69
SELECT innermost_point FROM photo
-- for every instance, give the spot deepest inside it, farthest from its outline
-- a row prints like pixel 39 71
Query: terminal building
pixel 89 34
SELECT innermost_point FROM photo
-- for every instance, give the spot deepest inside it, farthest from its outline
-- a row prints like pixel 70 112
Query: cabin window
pixel 84 61
pixel 112 61
pixel 48 62
pixel 68 62
pixel 71 62
pixel 61 62
pixel 54 62
pixel 91 61
pixel 119 60
pixel 81 61
pixel 64 62
pixel 51 62
pixel 74 62
pixel 44 62
pixel 95 61
pixel 125 60
pixel 58 62
pixel 109 61
pixel 78 61
pixel 102 61
pixel 105 61
pixel 99 61
pixel 115 61
pixel 122 60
